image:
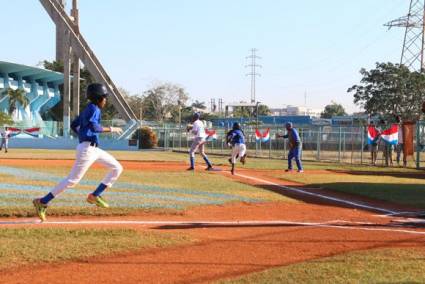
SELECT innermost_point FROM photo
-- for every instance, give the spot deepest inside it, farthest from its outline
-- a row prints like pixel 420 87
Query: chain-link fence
pixel 320 143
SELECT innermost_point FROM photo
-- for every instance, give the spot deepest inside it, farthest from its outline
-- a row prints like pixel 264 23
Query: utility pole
pixel 253 71
pixel 60 41
pixel 213 105
pixel 220 106
pixel 412 54
pixel 75 64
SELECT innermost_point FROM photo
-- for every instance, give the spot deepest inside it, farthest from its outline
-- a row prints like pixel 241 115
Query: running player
pixel 198 130
pixel 236 139
pixel 87 126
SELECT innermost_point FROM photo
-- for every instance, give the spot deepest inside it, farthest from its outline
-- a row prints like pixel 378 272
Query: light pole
pixel 180 124
pixel 256 112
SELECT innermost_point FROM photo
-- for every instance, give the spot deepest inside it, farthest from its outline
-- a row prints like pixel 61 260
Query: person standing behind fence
pixel 400 143
pixel 198 130
pixel 5 135
pixel 374 143
pixel 387 148
pixel 295 147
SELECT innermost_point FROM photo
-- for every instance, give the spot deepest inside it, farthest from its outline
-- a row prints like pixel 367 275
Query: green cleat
pixel 97 200
pixel 40 209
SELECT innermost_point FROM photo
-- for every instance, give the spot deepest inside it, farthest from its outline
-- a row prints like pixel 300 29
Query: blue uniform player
pixel 295 147
pixel 87 126
pixel 236 139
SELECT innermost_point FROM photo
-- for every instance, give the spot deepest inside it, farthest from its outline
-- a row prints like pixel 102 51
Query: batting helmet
pixel 288 125
pixel 236 126
pixel 196 116
pixel 96 91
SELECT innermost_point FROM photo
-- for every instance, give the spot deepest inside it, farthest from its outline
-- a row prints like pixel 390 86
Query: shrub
pixel 147 138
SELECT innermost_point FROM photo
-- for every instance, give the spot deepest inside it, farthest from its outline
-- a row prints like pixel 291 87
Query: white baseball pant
pixel 86 156
pixel 238 151
pixel 198 143
pixel 4 143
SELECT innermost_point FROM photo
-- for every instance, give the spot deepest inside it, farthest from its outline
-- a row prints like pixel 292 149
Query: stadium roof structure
pixel 29 73
pixel 41 88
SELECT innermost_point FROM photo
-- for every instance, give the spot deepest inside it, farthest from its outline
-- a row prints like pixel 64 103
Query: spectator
pixel 400 142
pixel 5 135
pixel 374 144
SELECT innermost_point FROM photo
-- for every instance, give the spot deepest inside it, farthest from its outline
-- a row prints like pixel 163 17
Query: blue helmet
pixel 196 116
pixel 236 126
pixel 96 91
pixel 288 125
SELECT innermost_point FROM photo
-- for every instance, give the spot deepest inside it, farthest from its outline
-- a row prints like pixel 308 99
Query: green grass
pixel 400 186
pixel 375 266
pixel 158 192
pixel 23 246
pixel 381 183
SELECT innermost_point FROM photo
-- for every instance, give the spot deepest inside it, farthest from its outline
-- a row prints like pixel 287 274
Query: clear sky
pixel 307 46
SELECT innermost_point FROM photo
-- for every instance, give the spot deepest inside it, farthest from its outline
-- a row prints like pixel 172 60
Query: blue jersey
pixel 87 124
pixel 293 137
pixel 236 137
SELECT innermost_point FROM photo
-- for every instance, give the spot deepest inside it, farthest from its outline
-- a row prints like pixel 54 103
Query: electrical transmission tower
pixel 412 54
pixel 253 72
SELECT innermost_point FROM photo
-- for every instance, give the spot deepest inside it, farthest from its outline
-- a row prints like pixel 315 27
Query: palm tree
pixel 17 96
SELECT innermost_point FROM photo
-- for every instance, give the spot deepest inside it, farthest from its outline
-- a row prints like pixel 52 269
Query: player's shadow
pixel 378 196
pixel 204 225
pixel 407 175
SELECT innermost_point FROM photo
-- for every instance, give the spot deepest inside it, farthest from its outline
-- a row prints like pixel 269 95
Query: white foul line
pixel 355 204
pixel 328 224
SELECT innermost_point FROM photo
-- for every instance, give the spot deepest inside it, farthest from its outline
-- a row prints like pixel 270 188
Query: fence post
pixel 339 145
pixel 362 145
pixel 319 134
pixel 180 137
pixel 418 143
pixel 344 145
pixel 270 147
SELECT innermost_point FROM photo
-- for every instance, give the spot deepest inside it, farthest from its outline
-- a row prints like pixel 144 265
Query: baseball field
pixel 331 224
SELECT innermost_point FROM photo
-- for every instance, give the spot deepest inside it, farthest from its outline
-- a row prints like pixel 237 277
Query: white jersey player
pixel 198 130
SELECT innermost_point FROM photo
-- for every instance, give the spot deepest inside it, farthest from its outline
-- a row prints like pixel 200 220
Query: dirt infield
pixel 314 229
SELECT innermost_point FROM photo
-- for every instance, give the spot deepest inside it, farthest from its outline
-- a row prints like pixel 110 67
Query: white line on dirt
pixel 344 225
pixel 322 196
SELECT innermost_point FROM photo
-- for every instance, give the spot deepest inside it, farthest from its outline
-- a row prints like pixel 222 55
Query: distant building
pixel 296 110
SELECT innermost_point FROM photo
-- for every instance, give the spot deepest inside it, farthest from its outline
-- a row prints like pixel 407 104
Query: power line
pixel 412 54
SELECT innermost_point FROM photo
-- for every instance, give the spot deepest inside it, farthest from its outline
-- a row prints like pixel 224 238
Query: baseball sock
pixel 46 199
pixel 207 161
pixel 99 189
pixel 192 162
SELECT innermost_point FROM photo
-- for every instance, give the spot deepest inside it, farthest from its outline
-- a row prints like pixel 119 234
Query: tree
pixel 333 109
pixel 5 119
pixel 163 102
pixel 56 112
pixel 199 105
pixel 247 111
pixel 390 89
pixel 263 110
pixel 242 111
pixel 17 96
